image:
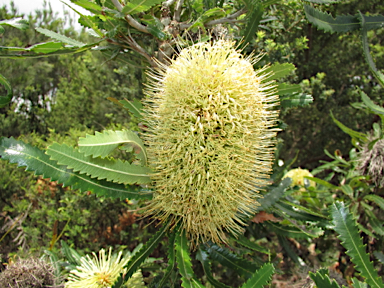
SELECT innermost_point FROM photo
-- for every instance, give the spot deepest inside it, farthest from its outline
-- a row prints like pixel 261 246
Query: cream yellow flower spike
pixel 210 139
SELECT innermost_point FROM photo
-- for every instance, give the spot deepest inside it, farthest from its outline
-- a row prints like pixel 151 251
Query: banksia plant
pixel 371 162
pixel 30 272
pixel 102 271
pixel 210 139
pixel 297 175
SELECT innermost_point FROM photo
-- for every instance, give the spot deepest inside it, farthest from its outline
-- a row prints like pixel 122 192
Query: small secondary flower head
pixel 297 175
pixel 101 272
pixel 371 161
pixel 210 139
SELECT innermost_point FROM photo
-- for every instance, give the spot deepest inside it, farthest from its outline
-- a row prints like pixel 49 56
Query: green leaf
pixel 59 37
pixel 87 21
pixel 252 19
pixel 90 6
pixel 273 196
pixel 139 257
pixel 184 262
pixel 202 256
pixel 322 280
pixel 261 277
pixel 135 107
pixel 376 225
pixel 326 22
pixel 378 200
pixel 345 225
pixel 36 160
pixel 18 23
pixel 287 247
pixel 137 6
pixel 350 132
pixel 47 47
pixel 284 230
pixel 296 100
pixel 277 71
pixel 379 256
pixel 289 209
pixel 116 171
pixel 4 100
pixel 323 1
pixel 70 254
pixel 171 260
pixel 371 22
pixel 222 255
pixel 369 103
pixel 284 88
pixel 357 284
pixel 323 183
pixel 249 244
pixel 102 144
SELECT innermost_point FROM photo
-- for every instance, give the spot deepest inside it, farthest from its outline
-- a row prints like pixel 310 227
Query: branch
pixel 229 19
pixel 130 19
pixel 177 13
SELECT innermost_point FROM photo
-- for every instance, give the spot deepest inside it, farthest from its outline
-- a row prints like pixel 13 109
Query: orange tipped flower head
pixel 210 140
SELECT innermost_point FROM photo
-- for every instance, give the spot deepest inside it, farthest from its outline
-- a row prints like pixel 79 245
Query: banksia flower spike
pixel 210 139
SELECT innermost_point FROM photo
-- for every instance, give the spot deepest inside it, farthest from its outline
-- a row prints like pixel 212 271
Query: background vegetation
pixel 59 98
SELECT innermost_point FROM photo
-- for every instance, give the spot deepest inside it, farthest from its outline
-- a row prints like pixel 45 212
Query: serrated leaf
pixel 376 225
pixel 37 161
pixel 222 255
pixel 90 6
pixel 273 196
pixel 289 209
pixel 60 37
pixel 323 1
pixel 296 100
pixel 18 23
pixel 326 22
pixel 284 89
pixel 378 200
pixel 249 244
pixel 371 22
pixel 323 183
pixel 47 47
pixel 350 132
pixel 369 103
pixel 357 284
pixel 171 261
pixel 322 280
pixel 102 144
pixel 87 21
pixel 284 230
pixel 288 249
pixel 116 171
pixel 379 256
pixel 252 20
pixel 202 256
pixel 137 6
pixel 184 262
pixel 4 100
pixel 135 107
pixel 345 225
pixel 277 71
pixel 139 257
pixel 70 254
pixel 261 277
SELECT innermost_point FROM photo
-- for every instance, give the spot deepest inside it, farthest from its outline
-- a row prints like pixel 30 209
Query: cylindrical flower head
pixel 210 139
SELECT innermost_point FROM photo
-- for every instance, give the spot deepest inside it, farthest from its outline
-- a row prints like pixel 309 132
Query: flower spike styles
pixel 102 271
pixel 210 139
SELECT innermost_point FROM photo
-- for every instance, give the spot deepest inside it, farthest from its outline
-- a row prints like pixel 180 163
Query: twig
pixel 176 15
pixel 130 19
pixel 229 19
